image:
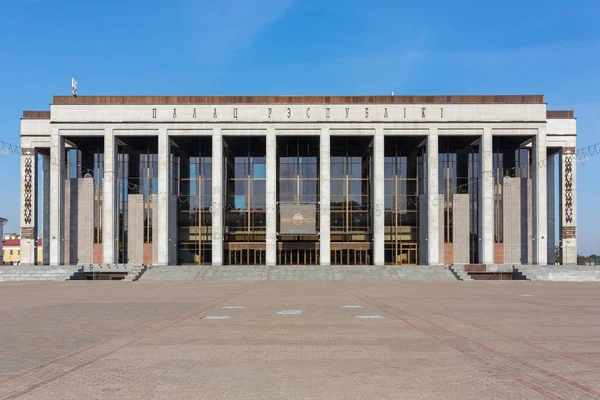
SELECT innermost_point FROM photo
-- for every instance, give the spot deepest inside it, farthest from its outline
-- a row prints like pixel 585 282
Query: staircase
pixel 302 272
pixel 460 273
pixel 23 273
pixel 135 273
pixel 560 273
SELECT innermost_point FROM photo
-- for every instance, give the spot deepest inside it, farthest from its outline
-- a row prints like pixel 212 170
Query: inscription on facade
pixel 305 113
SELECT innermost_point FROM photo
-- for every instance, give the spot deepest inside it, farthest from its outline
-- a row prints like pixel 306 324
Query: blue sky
pixel 187 47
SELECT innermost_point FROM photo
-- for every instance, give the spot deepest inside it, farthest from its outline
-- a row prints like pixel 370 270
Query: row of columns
pixel 166 251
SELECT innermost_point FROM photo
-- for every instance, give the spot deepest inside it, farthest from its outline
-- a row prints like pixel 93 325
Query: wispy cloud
pixel 227 26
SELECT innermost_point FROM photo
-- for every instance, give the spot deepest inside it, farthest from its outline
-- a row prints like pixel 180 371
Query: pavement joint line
pixel 467 354
pixel 516 360
pixel 12 356
pixel 514 338
pixel 56 361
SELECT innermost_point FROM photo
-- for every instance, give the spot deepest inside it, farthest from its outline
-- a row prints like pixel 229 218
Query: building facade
pixel 315 180
pixel 11 251
pixel 3 222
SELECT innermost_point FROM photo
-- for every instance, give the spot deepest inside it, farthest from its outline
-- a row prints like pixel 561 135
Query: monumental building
pixel 298 180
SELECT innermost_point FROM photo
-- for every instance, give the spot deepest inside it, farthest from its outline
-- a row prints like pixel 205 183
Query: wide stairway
pixel 561 273
pixel 303 272
pixel 24 273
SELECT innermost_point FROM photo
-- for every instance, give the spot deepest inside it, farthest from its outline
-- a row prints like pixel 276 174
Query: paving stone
pixel 436 340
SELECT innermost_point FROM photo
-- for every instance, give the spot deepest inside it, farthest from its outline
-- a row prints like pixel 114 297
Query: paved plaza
pixel 421 340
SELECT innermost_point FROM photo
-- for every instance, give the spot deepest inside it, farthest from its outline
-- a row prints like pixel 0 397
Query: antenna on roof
pixel 74 86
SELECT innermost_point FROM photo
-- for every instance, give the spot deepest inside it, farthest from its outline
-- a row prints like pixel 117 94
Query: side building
pixel 299 180
pixel 3 222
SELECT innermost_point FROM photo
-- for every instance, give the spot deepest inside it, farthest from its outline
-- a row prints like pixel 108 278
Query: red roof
pixel 16 242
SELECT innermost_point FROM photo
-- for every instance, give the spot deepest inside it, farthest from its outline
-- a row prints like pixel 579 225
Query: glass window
pixel 259 171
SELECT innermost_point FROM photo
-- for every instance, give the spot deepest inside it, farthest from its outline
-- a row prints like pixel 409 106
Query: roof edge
pixel 36 114
pixel 560 114
pixel 220 100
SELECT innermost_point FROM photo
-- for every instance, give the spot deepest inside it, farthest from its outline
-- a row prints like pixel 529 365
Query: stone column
pixel 433 199
pixel 551 205
pixel 540 199
pixel 324 198
pixel 46 210
pixel 57 181
pixel 217 197
pixel 164 197
pixel 568 206
pixel 110 207
pixel 29 213
pixel 378 198
pixel 486 196
pixel 271 199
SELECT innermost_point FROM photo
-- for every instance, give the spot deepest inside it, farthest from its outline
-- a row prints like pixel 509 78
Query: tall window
pixel 245 194
pixel 350 215
pixel 510 160
pixel 298 184
pixel 192 174
pixel 298 170
pixel 137 168
pixel 402 160
pixel 459 173
pixel 246 175
pixel 87 160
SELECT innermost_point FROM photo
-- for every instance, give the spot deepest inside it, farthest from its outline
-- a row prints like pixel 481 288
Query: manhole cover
pixel 290 312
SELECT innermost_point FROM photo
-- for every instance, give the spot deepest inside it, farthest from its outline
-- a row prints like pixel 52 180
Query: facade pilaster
pixel 540 199
pixel 217 197
pixel 46 210
pixel 550 170
pixel 486 242
pixel 109 199
pixel 568 206
pixel 29 215
pixel 57 182
pixel 324 198
pixel 433 199
pixel 378 198
pixel 271 199
pixel 164 197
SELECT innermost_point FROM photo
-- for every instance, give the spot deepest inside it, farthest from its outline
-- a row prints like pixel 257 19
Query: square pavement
pixel 435 340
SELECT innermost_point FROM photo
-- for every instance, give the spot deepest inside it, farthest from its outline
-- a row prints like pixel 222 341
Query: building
pixel 3 222
pixel 11 250
pixel 319 180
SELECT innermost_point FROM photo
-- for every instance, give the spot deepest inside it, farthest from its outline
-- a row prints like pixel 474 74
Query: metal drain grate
pixel 215 317
pixel 352 306
pixel 369 316
pixel 233 307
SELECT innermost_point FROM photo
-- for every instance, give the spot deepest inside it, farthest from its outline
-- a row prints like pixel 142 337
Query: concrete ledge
pixel 303 272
